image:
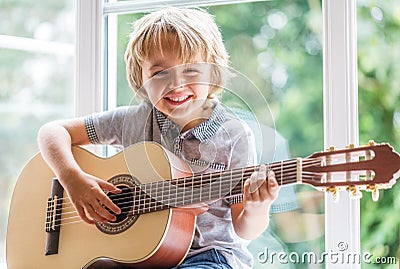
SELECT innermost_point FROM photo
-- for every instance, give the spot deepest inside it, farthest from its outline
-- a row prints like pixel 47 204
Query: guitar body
pixel 157 226
pixel 159 239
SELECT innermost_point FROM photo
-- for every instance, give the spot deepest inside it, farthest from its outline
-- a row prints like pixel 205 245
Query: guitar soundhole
pixel 124 201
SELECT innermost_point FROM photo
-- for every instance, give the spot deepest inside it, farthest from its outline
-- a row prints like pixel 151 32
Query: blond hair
pixel 195 31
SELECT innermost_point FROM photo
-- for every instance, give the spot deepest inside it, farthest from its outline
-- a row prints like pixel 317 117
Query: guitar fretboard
pixel 200 188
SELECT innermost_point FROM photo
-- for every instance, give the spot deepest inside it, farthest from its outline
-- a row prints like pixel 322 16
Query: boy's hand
pixel 260 191
pixel 87 194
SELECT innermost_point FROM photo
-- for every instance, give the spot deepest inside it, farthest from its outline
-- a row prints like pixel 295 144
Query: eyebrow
pixel 157 63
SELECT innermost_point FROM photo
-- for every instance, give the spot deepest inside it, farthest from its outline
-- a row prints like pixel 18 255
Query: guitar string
pixel 77 219
pixel 217 175
pixel 65 219
pixel 167 197
pixel 138 190
pixel 151 203
pixel 155 202
pixel 177 181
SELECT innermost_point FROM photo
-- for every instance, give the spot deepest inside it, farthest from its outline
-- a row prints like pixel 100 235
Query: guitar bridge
pixel 53 218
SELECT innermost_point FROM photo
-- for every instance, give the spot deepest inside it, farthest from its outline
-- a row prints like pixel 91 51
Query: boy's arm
pixel 85 191
pixel 251 217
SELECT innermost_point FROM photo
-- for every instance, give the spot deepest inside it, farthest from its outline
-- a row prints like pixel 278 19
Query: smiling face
pixel 179 90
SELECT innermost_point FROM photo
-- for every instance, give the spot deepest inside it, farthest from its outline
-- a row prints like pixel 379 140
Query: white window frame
pixel 342 218
pixel 88 57
pixel 340 90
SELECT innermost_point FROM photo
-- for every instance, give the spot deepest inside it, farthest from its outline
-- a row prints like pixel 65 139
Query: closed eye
pixel 191 71
pixel 160 74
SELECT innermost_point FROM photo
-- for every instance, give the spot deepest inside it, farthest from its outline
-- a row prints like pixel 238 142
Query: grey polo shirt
pixel 221 142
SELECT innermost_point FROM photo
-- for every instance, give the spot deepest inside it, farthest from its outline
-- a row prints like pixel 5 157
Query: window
pixel 379 96
pixel 277 39
pixel 36 83
pixel 303 57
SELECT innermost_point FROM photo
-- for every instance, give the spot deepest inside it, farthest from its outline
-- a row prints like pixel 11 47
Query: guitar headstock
pixel 370 168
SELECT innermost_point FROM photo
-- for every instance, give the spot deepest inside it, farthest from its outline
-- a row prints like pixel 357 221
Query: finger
pixel 108 187
pixel 92 212
pixel 246 191
pixel 102 211
pixel 262 172
pixel 82 215
pixel 273 186
pixel 105 200
pixel 258 179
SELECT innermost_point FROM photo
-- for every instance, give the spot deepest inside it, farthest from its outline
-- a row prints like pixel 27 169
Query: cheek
pixel 154 96
pixel 154 89
pixel 201 91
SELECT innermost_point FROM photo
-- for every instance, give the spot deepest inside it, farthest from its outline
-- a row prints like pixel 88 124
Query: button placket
pixel 177 145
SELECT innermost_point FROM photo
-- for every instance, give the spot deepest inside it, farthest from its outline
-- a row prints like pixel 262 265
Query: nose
pixel 177 79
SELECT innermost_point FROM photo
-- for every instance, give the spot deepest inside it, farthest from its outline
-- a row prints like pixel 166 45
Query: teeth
pixel 178 99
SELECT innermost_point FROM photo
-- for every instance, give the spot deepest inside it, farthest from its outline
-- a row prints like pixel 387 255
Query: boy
pixel 175 63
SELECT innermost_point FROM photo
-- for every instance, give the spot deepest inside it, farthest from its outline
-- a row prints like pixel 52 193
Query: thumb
pixel 108 187
pixel 258 178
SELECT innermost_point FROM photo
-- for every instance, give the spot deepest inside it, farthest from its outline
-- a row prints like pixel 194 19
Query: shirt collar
pixel 163 122
pixel 204 131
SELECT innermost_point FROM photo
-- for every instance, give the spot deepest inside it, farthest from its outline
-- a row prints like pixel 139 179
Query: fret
pixel 140 199
pixel 196 194
pixel 147 198
pixel 184 190
pixel 134 201
pixel 169 192
pixel 191 197
pixel 162 194
pixel 220 186
pixel 281 173
pixel 150 196
pixel 155 196
pixel 176 186
pixel 230 184
pixel 209 192
pixel 201 186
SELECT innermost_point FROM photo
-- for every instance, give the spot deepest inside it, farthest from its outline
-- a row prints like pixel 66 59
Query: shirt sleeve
pixel 90 130
pixel 106 127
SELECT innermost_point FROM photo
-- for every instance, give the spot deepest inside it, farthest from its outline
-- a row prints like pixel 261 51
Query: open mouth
pixel 178 100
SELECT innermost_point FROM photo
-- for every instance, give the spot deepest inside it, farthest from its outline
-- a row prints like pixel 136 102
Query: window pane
pixel 379 118
pixel 277 46
pixel 34 89
pixel 44 20
pixel 36 84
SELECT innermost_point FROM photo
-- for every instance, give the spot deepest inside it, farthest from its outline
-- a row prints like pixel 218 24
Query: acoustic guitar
pixel 156 226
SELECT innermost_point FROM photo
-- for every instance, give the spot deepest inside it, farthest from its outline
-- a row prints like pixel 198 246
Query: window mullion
pixel 342 223
pixel 88 66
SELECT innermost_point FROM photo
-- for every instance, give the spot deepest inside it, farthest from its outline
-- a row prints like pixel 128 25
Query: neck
pixel 201 188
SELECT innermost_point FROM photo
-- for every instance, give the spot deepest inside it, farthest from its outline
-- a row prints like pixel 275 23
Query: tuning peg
pixel 354 192
pixel 375 195
pixel 331 148
pixel 350 146
pixel 374 192
pixel 371 143
pixel 334 192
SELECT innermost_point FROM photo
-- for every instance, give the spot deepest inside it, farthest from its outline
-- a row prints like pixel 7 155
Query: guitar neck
pixel 200 188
